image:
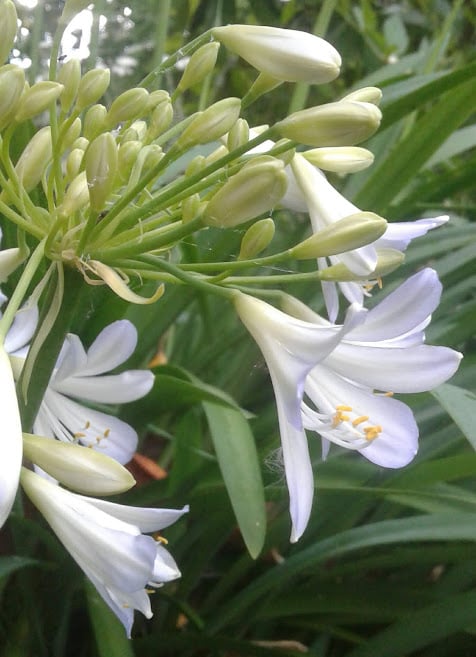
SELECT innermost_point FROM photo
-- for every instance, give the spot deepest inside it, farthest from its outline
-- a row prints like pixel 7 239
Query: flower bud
pixel 196 165
pixel 69 76
pixel 191 208
pixel 126 157
pixel 255 189
pixel 349 233
pixel 100 163
pixel 387 261
pixel 238 135
pixel 283 54
pixel 84 470
pixel 81 143
pixel 72 133
pixel 128 106
pixel 160 119
pixel 12 83
pixel 256 239
pixel 73 163
pixel 34 159
pixel 10 259
pixel 216 155
pixel 200 64
pixel 365 95
pixel 94 121
pixel 37 99
pixel 92 86
pixel 210 124
pixel 156 98
pixel 76 196
pixel 8 21
pixel 343 123
pixel 340 159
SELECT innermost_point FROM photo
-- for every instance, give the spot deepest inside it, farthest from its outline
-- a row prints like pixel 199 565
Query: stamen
pixel 388 394
pixel 343 407
pixel 160 539
pixel 359 420
pixel 372 432
pixel 379 283
pixel 79 434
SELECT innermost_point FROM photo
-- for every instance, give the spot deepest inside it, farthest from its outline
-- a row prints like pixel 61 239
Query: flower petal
pixel 399 234
pixel 112 389
pixel 111 348
pixel 147 519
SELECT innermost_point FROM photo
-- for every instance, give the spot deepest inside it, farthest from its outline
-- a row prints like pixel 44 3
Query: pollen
pixel 160 539
pixel 78 435
pixel 340 416
pixel 389 393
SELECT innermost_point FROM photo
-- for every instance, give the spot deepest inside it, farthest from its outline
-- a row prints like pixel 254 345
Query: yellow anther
pixel 340 417
pixel 388 394
pixel 342 407
pixel 160 539
pixel 106 433
pixel 372 432
pixel 79 434
pixel 359 420
pixel 379 283
pixel 150 591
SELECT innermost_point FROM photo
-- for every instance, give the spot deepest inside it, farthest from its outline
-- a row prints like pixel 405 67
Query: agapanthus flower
pixel 82 375
pixel 310 191
pixel 340 388
pixel 107 542
pixel 292 348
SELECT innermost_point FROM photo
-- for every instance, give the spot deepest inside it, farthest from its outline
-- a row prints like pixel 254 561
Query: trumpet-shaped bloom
pixel 310 191
pixel 386 354
pixel 292 348
pixel 106 541
pixel 81 374
pixel 325 378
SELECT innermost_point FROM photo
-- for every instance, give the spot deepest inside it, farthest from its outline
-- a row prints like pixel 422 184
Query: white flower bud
pixel 282 54
pixel 9 23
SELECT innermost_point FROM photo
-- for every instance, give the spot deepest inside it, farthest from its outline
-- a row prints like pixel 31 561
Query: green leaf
pixel 238 459
pixel 420 628
pixel 460 404
pixel 111 639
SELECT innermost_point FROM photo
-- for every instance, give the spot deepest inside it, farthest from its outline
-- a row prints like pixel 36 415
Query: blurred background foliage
pixel 387 566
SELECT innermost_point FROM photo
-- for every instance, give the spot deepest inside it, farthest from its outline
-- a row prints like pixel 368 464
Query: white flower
pixel 282 54
pixel 386 353
pixel 310 191
pixel 80 374
pixel 292 348
pixel 12 441
pixel 107 542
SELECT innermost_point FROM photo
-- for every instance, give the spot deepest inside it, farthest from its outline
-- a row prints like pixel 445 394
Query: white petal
pixel 108 389
pixel 165 568
pixel 405 310
pixel 412 369
pixel 146 519
pixel 399 234
pixel 111 348
pixel 22 328
pixel 12 439
pixel 72 359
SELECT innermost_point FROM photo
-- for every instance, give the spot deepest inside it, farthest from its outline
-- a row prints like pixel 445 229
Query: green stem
pixel 21 290
pixel 162 14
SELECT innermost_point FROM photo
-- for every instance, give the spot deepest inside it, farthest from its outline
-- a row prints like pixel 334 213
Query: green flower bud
pixel 218 153
pixel 238 135
pixel 72 133
pixel 73 163
pixel 200 64
pixel 262 85
pixel 12 83
pixel 34 159
pixel 282 54
pixel 349 233
pixel 84 470
pixel 94 121
pixel 365 95
pixel 76 196
pixel 126 157
pixel 81 142
pixel 343 123
pixel 140 128
pixel 10 259
pixel 388 261
pixel 160 119
pixel 196 165
pixel 128 106
pixel 192 207
pixel 69 76
pixel 156 98
pixel 37 99
pixel 255 189
pixel 256 239
pixel 92 86
pixel 340 159
pixel 210 124
pixel 9 23
pixel 100 163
